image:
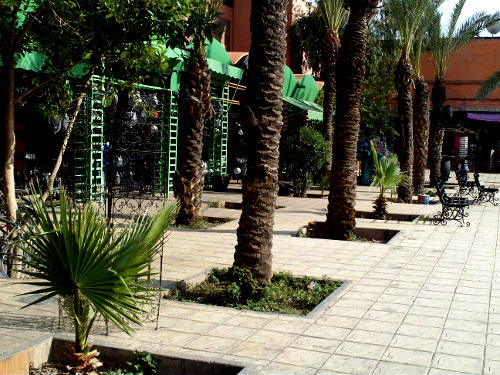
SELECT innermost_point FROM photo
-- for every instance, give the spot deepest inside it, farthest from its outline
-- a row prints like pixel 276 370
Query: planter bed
pixel 315 229
pixel 390 217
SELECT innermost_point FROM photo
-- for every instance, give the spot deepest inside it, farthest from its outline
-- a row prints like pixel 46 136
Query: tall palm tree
pixel 406 17
pixel 262 118
pixel 421 101
pixel 350 71
pixel 443 45
pixel 333 13
pixel 488 86
pixel 194 110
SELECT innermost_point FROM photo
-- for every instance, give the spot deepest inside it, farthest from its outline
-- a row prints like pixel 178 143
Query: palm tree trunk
pixel 195 108
pixel 421 112
pixel 262 120
pixel 8 139
pixel 436 135
pixel 404 80
pixel 329 58
pixel 341 216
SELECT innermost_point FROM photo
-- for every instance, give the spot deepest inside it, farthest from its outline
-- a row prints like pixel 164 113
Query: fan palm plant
pixel 386 175
pixel 442 46
pixel 488 86
pixel 406 17
pixel 95 271
pixel 334 14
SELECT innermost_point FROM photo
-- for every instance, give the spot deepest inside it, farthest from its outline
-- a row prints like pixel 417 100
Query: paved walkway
pixel 427 303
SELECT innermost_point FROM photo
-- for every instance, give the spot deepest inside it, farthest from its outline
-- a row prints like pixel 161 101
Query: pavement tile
pixel 414 343
pixel 466 337
pixel 287 326
pixel 491 367
pixel 355 349
pixel 212 344
pixel 461 349
pixel 231 332
pixel 279 339
pixel 326 332
pixel 255 350
pixel 315 343
pixel 407 356
pixel 457 363
pixel 419 331
pixel 301 357
pixel 286 369
pixel 350 365
pixel 392 368
pixel 368 337
pixel 377 326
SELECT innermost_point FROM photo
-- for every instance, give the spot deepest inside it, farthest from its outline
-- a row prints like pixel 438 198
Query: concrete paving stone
pixel 301 357
pixel 467 298
pixel 419 331
pixel 355 349
pixel 354 303
pixel 435 295
pixel 396 291
pixel 461 349
pixel 337 321
pixel 392 368
pixel 316 344
pixel 279 339
pixel 464 325
pixel 286 369
pixel 377 326
pixel 350 365
pixel 209 356
pixel 369 337
pixel 287 326
pixel 463 336
pixel 439 371
pixel 212 344
pixel 404 300
pixel 429 311
pixel 391 307
pixel 231 332
pixel 326 332
pixel 255 350
pixel 426 321
pixel 469 315
pixel 384 316
pixel 407 356
pixel 244 321
pixel 491 367
pixel 458 363
pixel 414 343
pixel 433 302
pixel 346 311
pixel 365 296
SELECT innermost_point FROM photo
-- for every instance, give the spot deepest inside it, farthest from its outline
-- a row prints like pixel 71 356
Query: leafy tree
pixel 341 216
pixel 194 110
pixel 302 156
pixel 442 45
pixel 68 35
pixel 261 116
pixel 96 271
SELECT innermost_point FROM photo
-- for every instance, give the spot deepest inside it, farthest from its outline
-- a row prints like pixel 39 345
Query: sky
pixel 470 7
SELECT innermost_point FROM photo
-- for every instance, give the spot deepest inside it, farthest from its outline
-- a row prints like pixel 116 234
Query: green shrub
pixel 303 153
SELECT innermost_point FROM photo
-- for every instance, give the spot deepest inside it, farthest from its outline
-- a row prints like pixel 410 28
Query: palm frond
pixel 333 13
pixel 488 86
pixel 73 253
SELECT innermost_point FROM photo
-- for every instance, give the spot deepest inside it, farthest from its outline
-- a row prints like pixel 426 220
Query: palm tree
pixel 406 17
pixel 261 115
pixel 95 270
pixel 442 46
pixel 386 175
pixel 350 72
pixel 421 101
pixel 488 86
pixel 194 110
pixel 334 14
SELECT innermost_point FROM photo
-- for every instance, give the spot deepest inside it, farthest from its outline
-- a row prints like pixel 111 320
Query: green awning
pixel 224 72
pixel 307 89
pixel 289 82
pixel 314 111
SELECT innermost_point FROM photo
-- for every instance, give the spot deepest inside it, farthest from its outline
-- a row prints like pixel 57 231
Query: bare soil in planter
pixel 206 222
pixel 391 217
pixel 316 229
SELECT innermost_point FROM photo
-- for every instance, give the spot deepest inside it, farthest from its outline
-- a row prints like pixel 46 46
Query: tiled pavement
pixel 427 303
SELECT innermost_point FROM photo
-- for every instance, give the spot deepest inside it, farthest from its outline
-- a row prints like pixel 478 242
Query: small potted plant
pixel 386 175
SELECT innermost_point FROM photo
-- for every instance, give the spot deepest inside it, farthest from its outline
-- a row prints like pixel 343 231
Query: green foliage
pixel 235 287
pixel 378 86
pixel 95 270
pixel 303 154
pixel 308 30
pixel 334 13
pixel 143 364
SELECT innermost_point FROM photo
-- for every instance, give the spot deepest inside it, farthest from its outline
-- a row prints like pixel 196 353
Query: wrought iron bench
pixel 485 194
pixel 466 187
pixel 453 208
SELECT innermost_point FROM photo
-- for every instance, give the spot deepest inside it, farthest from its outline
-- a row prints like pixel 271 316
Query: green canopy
pixel 307 89
pixel 314 111
pixel 289 82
